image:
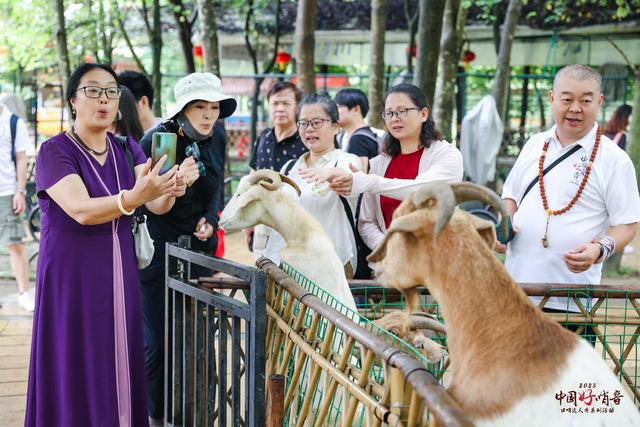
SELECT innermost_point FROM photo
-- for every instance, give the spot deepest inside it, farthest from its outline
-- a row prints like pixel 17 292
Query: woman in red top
pixel 412 155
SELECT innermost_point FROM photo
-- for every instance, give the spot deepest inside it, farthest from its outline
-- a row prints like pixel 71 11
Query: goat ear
pixel 412 223
pixel 486 230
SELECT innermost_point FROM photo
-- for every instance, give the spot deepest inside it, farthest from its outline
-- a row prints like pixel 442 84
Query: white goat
pixel 309 250
pixel 510 364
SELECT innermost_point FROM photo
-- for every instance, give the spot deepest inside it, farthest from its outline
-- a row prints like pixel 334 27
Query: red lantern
pixel 414 50
pixel 197 53
pixel 468 56
pixel 282 60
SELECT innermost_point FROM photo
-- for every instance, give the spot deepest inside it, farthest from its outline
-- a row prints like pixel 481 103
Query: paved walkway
pixel 15 337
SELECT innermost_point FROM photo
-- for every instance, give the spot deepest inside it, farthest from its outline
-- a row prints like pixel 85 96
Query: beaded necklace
pixel 543 195
pixel 80 142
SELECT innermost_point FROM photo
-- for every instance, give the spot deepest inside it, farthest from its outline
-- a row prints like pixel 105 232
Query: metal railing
pixel 215 343
pixel 341 369
pixel 607 316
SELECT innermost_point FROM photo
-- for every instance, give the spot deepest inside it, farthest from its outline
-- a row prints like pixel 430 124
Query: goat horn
pixel 423 322
pixel 469 191
pixel 292 183
pixel 267 178
pixel 445 202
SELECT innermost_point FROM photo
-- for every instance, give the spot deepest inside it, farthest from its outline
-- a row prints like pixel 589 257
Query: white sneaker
pixel 26 301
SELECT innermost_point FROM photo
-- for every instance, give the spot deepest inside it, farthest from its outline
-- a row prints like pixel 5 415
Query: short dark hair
pixel 282 86
pixel 323 101
pixel 428 134
pixel 76 76
pixel 579 72
pixel 138 83
pixel 350 97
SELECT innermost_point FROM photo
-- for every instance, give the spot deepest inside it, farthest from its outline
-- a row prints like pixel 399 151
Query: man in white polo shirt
pixel 588 204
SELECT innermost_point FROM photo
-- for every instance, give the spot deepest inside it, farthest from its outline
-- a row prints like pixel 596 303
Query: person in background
pixel 616 127
pixel 14 141
pixel 127 120
pixel 142 90
pixel 87 347
pixel 357 137
pixel 199 104
pixel 275 147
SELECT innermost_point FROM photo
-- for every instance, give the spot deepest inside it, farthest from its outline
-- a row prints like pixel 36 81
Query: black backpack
pixel 362 270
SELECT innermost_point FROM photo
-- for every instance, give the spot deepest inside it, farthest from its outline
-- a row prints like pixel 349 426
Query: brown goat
pixel 508 360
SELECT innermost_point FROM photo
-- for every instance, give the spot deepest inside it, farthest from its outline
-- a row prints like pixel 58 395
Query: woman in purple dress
pixel 87 355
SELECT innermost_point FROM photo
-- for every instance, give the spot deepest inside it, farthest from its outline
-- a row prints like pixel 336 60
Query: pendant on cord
pixel 545 240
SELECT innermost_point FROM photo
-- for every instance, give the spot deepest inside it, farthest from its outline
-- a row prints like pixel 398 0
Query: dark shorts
pixel 11 227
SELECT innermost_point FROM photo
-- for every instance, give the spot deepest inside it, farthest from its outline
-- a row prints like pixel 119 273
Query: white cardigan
pixel 440 162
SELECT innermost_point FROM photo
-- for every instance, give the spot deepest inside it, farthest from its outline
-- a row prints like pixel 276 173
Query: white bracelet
pixel 122 209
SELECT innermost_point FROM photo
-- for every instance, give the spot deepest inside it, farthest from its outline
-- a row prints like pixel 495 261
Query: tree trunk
pixel 63 50
pixel 156 49
pixel 248 29
pixel 524 103
pixel 105 33
pixel 501 85
pixel 304 41
pixel 412 20
pixel 184 30
pixel 429 31
pixel 452 34
pixel 634 134
pixel 376 70
pixel 209 30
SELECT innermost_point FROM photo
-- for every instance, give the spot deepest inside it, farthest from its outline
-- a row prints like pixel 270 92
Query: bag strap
pixel 288 166
pixel 13 124
pixel 548 168
pixel 349 213
pixel 122 140
pixel 366 131
pixel 347 210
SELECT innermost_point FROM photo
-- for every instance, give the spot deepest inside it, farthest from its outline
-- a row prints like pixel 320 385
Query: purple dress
pixel 87 351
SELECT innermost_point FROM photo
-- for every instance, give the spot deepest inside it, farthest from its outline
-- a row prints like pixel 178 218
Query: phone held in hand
pixel 164 143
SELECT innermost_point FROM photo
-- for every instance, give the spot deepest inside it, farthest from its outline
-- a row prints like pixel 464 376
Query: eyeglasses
pixel 194 150
pixel 388 115
pixel 315 123
pixel 96 92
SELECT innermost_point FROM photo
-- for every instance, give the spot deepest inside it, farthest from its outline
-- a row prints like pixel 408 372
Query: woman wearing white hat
pixel 200 154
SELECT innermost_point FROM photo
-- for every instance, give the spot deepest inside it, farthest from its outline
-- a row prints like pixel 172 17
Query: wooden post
pixel 275 401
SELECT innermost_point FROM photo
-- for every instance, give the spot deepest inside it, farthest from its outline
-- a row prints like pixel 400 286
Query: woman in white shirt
pixel 318 127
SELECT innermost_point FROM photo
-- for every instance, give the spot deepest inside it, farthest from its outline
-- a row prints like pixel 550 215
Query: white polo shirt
pixel 609 198
pixel 8 181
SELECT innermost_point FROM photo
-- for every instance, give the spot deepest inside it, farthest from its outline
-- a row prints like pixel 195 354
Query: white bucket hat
pixel 204 87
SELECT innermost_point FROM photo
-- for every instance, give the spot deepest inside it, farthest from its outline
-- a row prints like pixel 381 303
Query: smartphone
pixel 164 143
